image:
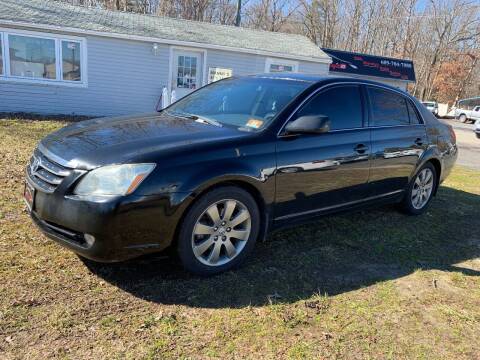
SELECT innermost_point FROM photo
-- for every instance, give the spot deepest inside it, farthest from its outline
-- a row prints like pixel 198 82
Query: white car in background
pixel 468 115
pixel 477 128
pixel 432 106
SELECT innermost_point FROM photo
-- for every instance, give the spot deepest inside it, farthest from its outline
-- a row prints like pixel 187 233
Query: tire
pixel 463 118
pixel 411 204
pixel 218 248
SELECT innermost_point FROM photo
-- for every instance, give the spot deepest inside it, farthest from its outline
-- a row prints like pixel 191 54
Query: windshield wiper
pixel 178 114
pixel 205 120
pixel 201 119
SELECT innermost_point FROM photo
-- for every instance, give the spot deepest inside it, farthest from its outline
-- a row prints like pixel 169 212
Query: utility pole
pixel 238 19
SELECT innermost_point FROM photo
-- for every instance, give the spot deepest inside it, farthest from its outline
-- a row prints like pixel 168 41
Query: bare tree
pixel 270 15
pixel 438 36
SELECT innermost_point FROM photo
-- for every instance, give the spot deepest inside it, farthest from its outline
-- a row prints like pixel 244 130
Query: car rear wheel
pixel 421 190
pixel 463 118
pixel 219 231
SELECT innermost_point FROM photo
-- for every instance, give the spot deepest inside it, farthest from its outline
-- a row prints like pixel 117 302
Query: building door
pixel 187 73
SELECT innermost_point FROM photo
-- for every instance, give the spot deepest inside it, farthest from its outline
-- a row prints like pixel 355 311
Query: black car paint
pixel 293 177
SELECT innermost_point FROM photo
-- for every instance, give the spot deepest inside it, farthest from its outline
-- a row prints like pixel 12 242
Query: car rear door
pixel 398 139
pixel 318 172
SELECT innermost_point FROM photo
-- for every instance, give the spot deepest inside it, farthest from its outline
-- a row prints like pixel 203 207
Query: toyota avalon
pixel 223 166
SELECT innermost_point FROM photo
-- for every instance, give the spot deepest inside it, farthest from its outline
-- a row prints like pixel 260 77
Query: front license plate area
pixel 29 196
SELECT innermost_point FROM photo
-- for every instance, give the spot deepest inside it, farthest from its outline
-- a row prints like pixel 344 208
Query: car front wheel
pixel 420 190
pixel 219 231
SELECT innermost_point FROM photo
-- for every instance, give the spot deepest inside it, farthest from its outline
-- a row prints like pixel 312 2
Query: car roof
pixel 323 79
pixel 319 80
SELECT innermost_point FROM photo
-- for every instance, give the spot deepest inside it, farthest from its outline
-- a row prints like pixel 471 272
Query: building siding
pixel 313 68
pixel 124 77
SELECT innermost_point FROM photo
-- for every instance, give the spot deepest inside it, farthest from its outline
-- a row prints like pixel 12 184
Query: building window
pixel 187 72
pixel 71 61
pixel 280 65
pixel 1 54
pixel 36 57
pixel 32 57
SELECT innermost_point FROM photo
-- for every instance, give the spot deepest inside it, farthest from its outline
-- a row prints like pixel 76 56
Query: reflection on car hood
pixel 102 141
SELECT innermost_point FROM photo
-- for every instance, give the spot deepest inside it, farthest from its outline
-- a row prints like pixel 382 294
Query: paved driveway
pixel 468 144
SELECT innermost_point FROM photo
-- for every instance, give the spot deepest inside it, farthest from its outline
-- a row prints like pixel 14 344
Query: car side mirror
pixel 312 124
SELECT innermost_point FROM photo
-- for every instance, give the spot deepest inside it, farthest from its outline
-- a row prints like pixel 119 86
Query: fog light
pixel 89 239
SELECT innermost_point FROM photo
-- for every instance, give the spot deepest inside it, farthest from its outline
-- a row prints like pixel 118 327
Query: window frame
pixel 365 103
pixel 58 39
pixel 277 61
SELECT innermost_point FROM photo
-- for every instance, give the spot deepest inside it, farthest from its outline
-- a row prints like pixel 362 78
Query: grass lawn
pixel 370 284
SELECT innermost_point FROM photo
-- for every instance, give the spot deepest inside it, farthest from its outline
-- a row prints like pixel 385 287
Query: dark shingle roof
pixel 63 15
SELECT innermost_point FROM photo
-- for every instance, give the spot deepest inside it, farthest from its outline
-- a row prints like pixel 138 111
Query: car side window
pixel 342 105
pixel 412 113
pixel 387 108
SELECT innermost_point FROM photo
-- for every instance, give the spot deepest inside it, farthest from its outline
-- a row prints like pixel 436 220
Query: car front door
pixel 398 139
pixel 318 172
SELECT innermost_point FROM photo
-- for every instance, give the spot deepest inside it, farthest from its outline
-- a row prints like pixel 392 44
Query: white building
pixel 56 58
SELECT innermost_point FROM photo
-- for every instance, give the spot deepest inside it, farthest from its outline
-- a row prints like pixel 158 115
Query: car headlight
pixel 113 179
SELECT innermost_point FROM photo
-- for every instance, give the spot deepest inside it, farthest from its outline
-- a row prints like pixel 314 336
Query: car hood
pixel 92 143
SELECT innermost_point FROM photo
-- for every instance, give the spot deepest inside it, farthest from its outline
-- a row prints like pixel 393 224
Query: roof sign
pixel 369 65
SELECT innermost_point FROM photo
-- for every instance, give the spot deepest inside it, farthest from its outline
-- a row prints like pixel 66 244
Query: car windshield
pixel 430 104
pixel 249 103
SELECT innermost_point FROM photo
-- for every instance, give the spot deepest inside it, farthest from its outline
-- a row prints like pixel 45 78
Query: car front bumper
pixel 112 229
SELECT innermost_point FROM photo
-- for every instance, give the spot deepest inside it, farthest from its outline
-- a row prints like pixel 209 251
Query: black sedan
pixel 222 167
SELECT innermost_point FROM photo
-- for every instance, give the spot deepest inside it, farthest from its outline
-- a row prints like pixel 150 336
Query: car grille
pixel 44 173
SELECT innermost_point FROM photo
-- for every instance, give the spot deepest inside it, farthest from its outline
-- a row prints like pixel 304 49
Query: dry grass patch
pixel 370 284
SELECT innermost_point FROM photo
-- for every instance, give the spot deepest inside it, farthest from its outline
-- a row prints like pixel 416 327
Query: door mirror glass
pixel 309 124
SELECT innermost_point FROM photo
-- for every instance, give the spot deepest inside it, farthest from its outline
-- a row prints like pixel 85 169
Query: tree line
pixel 442 37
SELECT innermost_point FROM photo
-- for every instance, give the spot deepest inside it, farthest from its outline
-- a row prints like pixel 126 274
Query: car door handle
pixel 419 141
pixel 361 148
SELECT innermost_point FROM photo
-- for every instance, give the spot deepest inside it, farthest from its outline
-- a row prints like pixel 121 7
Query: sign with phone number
pixel 369 65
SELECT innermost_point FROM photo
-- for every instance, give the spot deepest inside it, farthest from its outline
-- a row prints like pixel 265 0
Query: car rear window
pixel 387 108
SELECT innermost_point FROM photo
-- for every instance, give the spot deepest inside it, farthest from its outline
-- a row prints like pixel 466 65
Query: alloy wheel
pixel 221 232
pixel 422 188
